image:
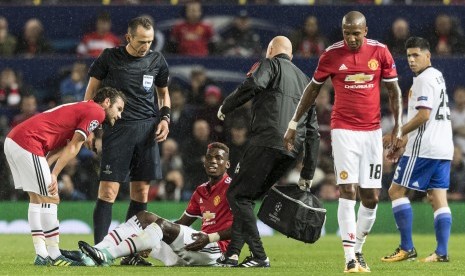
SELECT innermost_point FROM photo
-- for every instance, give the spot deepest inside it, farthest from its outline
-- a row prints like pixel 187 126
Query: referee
pixel 130 148
pixel 275 86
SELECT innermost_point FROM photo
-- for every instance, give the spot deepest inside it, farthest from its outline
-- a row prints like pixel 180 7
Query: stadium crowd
pixel 195 103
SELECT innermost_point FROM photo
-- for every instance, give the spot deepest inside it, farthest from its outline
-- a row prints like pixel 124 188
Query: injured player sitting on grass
pixel 175 243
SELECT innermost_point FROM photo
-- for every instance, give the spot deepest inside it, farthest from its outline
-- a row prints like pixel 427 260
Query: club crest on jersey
pixel 147 82
pixel 93 125
pixel 216 200
pixel 343 175
pixel 373 64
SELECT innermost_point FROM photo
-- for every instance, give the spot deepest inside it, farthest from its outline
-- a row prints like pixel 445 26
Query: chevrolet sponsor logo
pixel 207 216
pixel 359 78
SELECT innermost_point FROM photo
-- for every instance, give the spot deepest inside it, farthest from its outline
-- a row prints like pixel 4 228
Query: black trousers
pixel 259 169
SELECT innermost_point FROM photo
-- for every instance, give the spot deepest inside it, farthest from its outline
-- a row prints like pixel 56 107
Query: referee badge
pixel 147 82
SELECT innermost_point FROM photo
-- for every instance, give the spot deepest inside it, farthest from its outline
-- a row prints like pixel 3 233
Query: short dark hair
pixel 218 145
pixel 417 42
pixel 139 21
pixel 108 92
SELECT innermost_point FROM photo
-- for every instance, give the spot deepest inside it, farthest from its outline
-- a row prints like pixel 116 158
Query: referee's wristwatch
pixel 165 112
pixel 166 117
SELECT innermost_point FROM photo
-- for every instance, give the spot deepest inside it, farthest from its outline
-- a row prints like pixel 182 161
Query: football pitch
pixel 287 256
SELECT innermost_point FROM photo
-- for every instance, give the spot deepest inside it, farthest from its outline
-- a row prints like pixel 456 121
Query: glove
pixel 305 184
pixel 220 114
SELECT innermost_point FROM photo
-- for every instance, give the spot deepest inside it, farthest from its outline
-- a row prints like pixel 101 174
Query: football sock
pixel 38 238
pixel 102 219
pixel 135 207
pixel 347 226
pixel 442 225
pixel 149 238
pixel 50 224
pixel 365 219
pixel 120 233
pixel 403 215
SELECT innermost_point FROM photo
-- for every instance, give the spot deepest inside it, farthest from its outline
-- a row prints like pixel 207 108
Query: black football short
pixel 130 152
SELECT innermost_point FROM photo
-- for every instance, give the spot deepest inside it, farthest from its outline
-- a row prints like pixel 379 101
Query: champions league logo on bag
pixel 277 208
pixel 295 213
pixel 147 82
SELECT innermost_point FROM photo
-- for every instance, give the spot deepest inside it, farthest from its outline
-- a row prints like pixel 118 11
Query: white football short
pixel 175 254
pixel 358 157
pixel 31 173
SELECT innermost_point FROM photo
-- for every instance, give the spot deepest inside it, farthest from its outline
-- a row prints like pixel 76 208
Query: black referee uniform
pixel 129 149
pixel 275 85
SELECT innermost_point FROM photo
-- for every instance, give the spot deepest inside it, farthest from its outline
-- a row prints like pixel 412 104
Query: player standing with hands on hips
pixel 130 148
pixel 356 66
pixel 425 164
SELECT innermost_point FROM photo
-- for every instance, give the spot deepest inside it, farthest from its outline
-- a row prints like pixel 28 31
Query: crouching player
pixel 175 243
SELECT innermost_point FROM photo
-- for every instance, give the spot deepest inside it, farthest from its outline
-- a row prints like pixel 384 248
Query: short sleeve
pixel 388 67
pixel 322 71
pixel 99 68
pixel 90 121
pixel 162 77
pixel 424 94
pixel 193 208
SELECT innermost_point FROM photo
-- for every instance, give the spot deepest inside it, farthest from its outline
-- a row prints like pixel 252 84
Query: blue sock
pixel 442 225
pixel 403 215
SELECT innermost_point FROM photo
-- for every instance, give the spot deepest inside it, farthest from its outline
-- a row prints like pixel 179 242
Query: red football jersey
pixel 210 204
pixel 192 39
pixel 356 77
pixel 93 44
pixel 53 128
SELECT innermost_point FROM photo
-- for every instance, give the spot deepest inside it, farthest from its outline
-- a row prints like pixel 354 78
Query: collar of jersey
pixel 359 49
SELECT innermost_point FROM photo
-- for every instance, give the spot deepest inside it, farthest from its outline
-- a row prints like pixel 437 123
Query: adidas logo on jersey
pixel 343 67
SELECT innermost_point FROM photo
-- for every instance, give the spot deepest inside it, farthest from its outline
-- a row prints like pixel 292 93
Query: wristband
pixel 165 111
pixel 213 237
pixel 292 125
pixel 165 114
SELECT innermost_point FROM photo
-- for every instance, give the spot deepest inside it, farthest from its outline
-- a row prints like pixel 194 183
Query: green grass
pixel 288 257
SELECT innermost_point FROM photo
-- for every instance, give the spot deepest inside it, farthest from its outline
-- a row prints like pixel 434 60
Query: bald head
pixel 354 18
pixel 354 29
pixel 279 45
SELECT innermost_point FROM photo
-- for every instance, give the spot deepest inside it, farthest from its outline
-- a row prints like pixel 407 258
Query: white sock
pixel 347 226
pixel 149 238
pixel 365 219
pixel 38 238
pixel 131 227
pixel 50 224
